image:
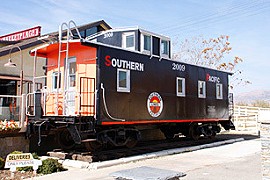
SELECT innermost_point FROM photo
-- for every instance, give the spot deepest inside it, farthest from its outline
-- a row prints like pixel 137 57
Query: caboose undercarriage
pixel 71 131
pixel 82 130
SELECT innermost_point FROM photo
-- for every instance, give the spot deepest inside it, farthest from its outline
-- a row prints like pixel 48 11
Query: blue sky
pixel 247 22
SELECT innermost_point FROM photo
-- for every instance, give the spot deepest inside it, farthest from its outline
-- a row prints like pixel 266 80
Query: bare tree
pixel 261 103
pixel 211 53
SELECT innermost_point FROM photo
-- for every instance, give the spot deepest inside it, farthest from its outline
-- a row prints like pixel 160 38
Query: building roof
pixel 24 44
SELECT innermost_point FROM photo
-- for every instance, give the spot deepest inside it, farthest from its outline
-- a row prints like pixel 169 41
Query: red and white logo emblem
pixel 154 104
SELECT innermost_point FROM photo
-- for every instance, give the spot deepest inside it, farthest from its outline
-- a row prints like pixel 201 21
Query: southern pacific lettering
pixel 125 64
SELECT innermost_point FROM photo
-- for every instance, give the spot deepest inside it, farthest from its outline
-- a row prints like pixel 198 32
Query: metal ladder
pixel 64 49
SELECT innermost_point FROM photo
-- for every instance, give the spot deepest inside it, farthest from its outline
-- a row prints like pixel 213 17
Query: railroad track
pixel 142 148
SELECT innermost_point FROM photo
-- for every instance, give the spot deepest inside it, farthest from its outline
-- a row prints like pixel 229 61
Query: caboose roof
pixel 127 29
pixel 88 41
pixel 43 50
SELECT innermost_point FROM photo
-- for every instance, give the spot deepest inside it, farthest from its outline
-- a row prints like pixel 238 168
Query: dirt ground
pixel 6 174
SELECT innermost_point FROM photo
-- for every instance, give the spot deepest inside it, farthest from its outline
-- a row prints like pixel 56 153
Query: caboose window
pixel 123 80
pixel 72 73
pixel 180 87
pixel 219 92
pixel 146 44
pixel 129 40
pixel 201 89
pixel 54 80
pixel 164 48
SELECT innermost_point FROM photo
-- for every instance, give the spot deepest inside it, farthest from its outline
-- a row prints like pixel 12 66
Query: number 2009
pixel 178 67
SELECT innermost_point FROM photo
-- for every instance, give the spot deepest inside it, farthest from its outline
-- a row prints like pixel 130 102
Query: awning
pixel 45 49
pixel 15 78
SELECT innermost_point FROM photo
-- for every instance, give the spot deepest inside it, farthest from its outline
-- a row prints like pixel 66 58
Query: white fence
pixel 247 118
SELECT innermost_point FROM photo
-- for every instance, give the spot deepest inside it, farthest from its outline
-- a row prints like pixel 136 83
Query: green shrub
pixel 35 156
pixel 16 152
pixel 2 163
pixel 50 166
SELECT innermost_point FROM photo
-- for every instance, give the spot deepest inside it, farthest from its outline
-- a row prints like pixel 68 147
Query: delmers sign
pixel 21 35
pixel 21 160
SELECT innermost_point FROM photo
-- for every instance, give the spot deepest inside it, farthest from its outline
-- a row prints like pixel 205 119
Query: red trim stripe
pixel 159 121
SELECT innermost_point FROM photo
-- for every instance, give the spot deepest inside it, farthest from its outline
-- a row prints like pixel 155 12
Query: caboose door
pixel 70 89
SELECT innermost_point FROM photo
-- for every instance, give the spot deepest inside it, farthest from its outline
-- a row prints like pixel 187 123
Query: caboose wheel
pixel 213 136
pixel 65 139
pixel 168 133
pixel 193 131
pixel 92 145
pixel 131 143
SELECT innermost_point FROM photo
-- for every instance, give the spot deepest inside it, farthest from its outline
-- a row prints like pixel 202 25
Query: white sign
pixel 21 160
pixel 21 35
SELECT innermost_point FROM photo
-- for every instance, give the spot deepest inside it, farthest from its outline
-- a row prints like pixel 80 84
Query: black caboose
pixel 109 86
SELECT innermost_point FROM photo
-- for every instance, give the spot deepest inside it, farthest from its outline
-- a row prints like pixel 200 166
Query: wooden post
pixel 236 123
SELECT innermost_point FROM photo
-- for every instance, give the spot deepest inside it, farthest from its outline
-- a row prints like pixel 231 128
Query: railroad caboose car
pixel 106 88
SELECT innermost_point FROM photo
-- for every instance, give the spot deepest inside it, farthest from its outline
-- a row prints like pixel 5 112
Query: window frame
pixel 124 40
pixel 168 48
pixel 127 88
pixel 220 91
pixel 183 81
pixel 145 51
pixel 203 95
pixel 54 78
pixel 70 74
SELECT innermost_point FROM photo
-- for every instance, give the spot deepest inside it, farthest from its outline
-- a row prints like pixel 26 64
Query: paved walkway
pixel 239 161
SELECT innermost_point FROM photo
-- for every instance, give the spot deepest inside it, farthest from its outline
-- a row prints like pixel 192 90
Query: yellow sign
pixel 24 156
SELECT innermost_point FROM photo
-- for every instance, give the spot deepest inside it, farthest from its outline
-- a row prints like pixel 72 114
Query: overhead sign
pixel 21 35
pixel 21 160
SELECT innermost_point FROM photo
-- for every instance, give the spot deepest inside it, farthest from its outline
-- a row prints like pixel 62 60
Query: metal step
pixel 89 140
